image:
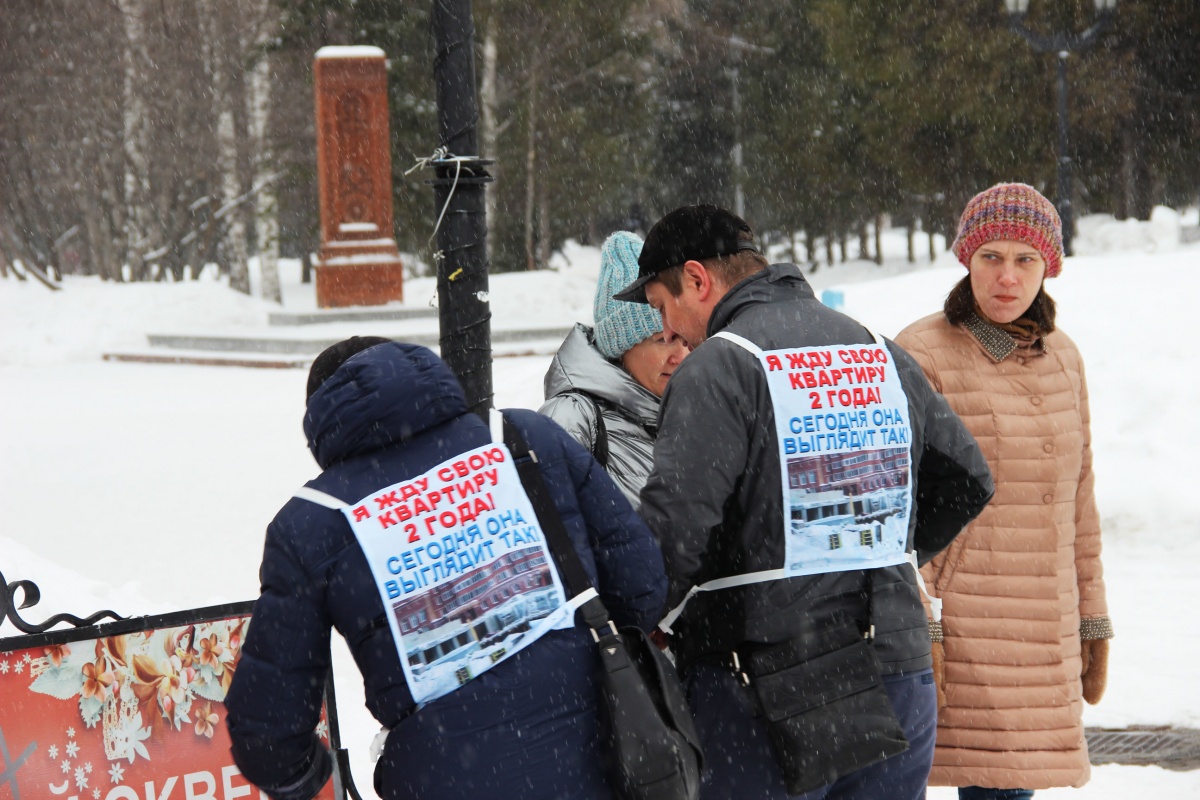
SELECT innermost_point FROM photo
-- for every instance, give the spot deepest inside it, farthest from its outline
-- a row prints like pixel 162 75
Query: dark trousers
pixel 737 754
pixel 981 793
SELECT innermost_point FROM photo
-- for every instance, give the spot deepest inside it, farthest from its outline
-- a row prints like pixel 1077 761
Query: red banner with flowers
pixel 134 715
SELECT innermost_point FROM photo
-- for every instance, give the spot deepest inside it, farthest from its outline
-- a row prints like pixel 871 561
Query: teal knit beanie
pixel 621 325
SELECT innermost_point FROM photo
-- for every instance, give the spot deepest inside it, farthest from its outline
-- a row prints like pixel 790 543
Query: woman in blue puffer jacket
pixel 380 413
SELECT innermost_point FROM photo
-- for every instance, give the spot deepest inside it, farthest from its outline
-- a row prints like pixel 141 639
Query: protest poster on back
pixel 462 567
pixel 842 422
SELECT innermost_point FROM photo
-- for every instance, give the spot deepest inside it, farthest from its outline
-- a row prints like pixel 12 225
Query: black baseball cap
pixel 690 233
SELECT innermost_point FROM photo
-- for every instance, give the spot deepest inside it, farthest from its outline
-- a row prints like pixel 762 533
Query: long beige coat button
pixel 1049 448
pixel 1048 498
pixel 1037 401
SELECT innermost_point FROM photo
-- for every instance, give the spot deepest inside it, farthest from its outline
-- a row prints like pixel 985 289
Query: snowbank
pixel 1103 233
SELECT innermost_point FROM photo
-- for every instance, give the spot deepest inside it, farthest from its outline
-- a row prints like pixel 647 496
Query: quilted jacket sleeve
pixel 953 480
pixel 574 414
pixel 629 566
pixel 274 703
pixel 700 457
pixel 915 347
pixel 1090 572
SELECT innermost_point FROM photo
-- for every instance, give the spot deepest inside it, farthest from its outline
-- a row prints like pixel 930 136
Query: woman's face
pixel 1005 278
pixel 652 361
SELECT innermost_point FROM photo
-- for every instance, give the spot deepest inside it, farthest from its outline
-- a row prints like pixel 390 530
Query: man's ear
pixel 697 277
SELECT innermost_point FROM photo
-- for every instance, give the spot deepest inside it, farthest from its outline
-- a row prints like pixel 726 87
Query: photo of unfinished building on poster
pixel 843 503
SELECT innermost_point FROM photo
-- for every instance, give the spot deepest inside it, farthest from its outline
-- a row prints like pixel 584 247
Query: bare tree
pixel 266 211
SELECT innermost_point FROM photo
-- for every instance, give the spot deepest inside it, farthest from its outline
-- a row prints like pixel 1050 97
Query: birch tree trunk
pixel 266 212
pixel 234 239
pixel 531 162
pixel 879 238
pixel 136 184
pixel 543 214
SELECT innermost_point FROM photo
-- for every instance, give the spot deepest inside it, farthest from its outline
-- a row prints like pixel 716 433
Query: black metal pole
pixel 464 313
pixel 1066 209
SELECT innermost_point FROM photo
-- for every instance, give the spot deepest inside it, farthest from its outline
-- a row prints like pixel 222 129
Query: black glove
pixel 311 782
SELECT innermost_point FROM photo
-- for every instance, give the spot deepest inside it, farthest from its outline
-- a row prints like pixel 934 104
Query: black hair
pixel 334 356
pixel 960 306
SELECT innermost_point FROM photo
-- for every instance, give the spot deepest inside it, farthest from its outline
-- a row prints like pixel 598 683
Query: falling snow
pixel 1157 289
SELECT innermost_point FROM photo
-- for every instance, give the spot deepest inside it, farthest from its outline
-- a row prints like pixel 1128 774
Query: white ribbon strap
pixel 756 350
pixel 740 341
pixel 720 583
pixel 377 743
pixel 935 603
pixel 319 497
pixel 575 602
pixel 496 422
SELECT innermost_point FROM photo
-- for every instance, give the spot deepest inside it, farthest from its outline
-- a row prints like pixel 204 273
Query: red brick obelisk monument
pixel 358 264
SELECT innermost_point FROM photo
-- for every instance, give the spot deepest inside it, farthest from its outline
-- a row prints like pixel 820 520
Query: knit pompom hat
pixel 1011 211
pixel 621 325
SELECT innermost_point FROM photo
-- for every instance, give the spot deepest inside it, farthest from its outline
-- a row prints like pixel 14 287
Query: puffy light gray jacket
pixel 579 372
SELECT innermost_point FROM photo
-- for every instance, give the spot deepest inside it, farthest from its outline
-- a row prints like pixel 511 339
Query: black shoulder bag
pixel 652 745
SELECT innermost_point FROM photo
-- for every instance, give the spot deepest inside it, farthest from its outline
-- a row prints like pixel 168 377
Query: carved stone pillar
pixel 358 264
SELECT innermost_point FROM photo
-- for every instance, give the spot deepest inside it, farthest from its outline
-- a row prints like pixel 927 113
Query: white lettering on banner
pixel 197 786
pixel 192 779
pixel 166 792
pixel 845 442
pixel 232 792
pixel 462 567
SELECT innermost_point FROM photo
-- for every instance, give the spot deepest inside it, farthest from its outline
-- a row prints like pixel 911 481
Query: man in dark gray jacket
pixel 802 635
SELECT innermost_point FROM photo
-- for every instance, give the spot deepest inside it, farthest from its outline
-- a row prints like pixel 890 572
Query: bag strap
pixel 573 574
pixel 600 448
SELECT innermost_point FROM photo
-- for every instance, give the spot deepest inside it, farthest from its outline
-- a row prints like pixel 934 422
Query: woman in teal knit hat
pixel 605 382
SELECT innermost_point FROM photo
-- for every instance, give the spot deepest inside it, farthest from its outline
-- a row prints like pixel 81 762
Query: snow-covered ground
pixel 146 488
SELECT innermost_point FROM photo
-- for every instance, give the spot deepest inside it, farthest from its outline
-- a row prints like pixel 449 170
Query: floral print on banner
pixel 88 719
pixel 130 684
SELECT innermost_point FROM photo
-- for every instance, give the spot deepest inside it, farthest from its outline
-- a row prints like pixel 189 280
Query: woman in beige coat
pixel 1024 617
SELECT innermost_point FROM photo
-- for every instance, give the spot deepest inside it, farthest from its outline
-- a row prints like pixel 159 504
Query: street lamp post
pixel 1062 44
